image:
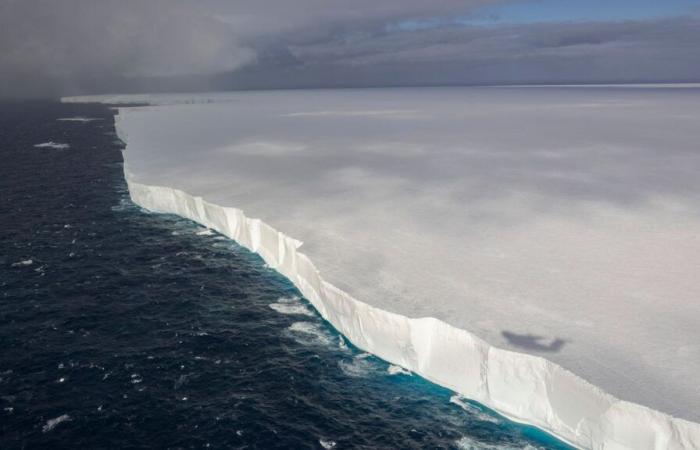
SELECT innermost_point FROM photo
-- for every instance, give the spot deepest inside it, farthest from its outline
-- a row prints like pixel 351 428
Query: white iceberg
pixel 51 144
pixel 502 239
pixel 79 119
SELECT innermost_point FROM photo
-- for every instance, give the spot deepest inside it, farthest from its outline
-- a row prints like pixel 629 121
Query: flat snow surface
pixel 562 222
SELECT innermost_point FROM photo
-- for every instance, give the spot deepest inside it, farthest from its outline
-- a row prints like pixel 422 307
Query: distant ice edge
pixel 525 388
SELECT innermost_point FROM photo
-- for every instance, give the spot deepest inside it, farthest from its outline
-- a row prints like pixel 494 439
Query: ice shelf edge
pixel 522 387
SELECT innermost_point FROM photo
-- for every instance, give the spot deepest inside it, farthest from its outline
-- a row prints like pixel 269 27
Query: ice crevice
pixel 525 388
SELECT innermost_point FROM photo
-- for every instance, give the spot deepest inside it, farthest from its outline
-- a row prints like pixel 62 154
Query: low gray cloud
pixel 90 46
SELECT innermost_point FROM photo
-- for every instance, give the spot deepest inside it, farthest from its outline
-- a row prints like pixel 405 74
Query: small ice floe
pixel 292 306
pixel 327 443
pixel 80 119
pixel 397 370
pixel 51 144
pixel 26 262
pixel 53 423
pixel 205 232
pixel 473 411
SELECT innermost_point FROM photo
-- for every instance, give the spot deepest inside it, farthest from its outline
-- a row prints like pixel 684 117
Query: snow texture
pixel 502 239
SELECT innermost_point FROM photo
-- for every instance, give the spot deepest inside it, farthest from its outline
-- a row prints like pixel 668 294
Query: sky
pixel 52 48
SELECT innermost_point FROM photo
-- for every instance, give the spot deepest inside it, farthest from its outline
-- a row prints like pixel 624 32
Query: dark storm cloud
pixel 50 47
pixel 583 52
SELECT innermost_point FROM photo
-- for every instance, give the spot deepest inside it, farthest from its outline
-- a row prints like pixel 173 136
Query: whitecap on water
pixel 291 305
pixel 53 423
pixel 473 411
pixel 308 333
pixel 51 144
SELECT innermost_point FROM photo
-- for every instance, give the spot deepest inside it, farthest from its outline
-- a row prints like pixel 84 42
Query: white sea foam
pixel 398 370
pixel 291 306
pixel 51 144
pixel 358 367
pixel 342 345
pixel 473 411
pixel 53 423
pixel 309 333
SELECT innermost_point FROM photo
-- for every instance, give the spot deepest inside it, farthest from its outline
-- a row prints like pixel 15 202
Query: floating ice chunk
pixel 205 232
pixel 52 144
pixel 53 423
pixel 327 443
pixel 78 119
pixel 26 262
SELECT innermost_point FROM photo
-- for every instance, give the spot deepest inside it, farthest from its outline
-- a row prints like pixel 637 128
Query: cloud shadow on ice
pixel 534 342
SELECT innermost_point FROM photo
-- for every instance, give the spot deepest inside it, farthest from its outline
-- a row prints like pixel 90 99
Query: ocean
pixel 121 328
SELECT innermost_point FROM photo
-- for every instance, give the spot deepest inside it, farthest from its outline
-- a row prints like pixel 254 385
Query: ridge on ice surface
pixel 561 223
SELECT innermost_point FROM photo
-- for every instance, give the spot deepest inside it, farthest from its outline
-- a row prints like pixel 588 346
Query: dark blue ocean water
pixel 125 329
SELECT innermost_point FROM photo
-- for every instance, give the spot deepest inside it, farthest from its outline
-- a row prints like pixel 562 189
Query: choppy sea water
pixel 125 329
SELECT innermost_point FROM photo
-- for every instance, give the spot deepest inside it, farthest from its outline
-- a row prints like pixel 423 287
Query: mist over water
pixel 121 328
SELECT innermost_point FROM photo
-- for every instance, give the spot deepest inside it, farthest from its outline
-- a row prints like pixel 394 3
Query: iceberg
pixel 51 144
pixel 532 249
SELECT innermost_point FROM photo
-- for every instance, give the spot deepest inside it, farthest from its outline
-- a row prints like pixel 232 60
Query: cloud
pixel 71 43
pixel 90 46
pixel 656 50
